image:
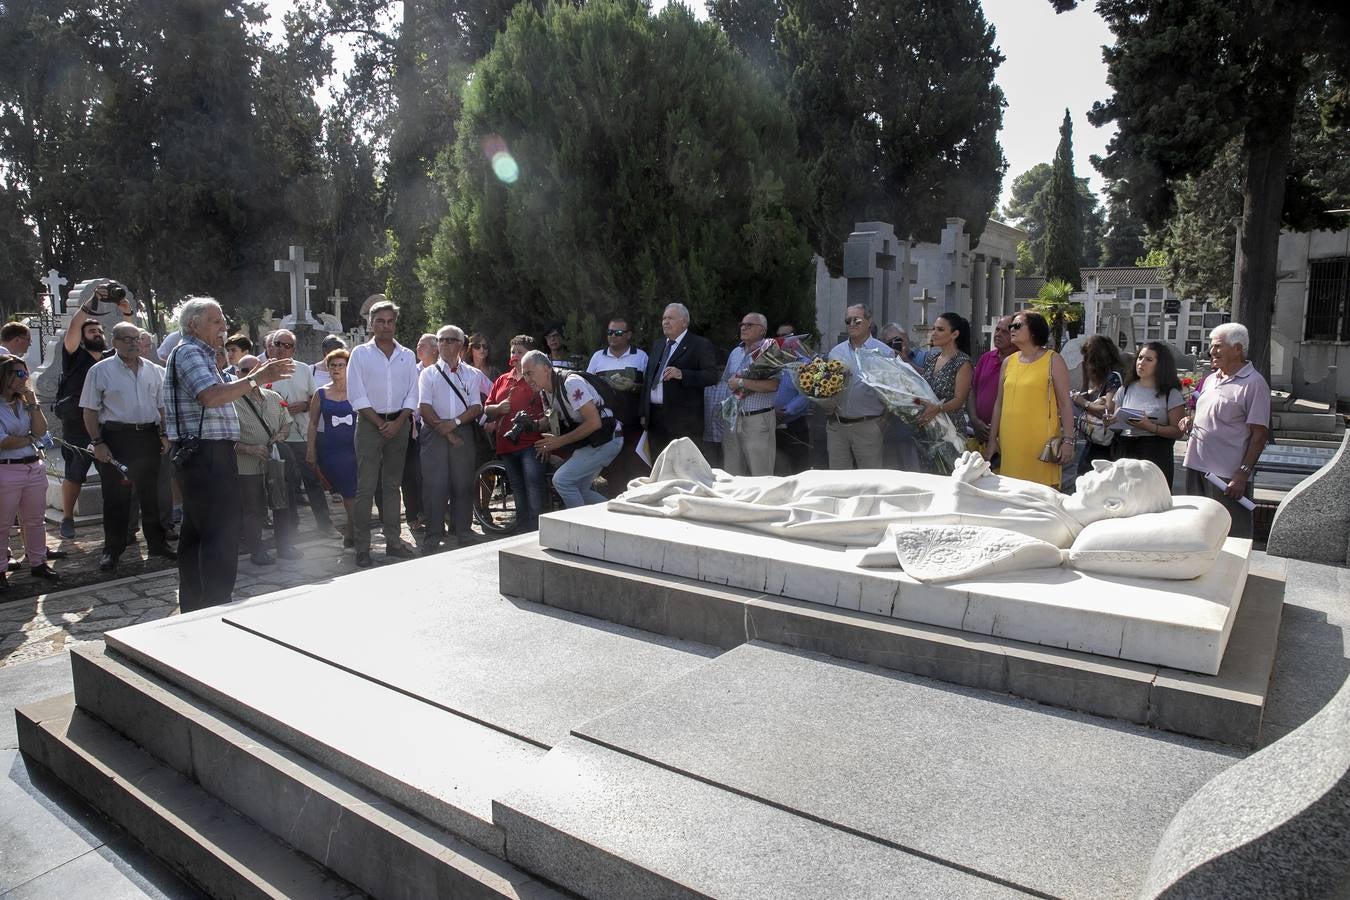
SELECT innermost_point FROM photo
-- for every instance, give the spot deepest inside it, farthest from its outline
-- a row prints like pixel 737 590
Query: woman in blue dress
pixel 332 436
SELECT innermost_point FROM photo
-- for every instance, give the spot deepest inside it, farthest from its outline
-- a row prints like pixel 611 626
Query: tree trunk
pixel 1266 150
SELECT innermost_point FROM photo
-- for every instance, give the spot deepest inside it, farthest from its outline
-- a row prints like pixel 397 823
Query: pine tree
pixel 1063 229
pixel 609 160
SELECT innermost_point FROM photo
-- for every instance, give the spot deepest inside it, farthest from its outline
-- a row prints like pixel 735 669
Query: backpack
pixel 608 395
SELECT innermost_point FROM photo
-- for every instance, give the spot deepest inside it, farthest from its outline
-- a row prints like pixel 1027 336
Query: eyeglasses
pixel 617 332
pixel 749 324
pixel 283 345
pixel 451 340
pixel 856 320
pixel 1017 326
pixel 129 339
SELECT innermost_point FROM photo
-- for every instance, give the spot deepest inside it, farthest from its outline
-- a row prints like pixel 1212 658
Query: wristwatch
pixel 1245 469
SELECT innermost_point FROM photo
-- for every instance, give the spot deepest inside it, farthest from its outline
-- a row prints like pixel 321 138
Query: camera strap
pixel 177 387
pixel 458 392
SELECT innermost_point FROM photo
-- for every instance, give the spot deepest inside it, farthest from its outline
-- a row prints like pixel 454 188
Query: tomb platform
pixel 422 730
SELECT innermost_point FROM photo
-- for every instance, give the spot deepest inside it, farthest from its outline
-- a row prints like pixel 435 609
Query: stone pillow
pixel 1181 543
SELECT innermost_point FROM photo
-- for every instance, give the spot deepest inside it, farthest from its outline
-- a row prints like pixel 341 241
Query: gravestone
pixel 1313 521
pixel 53 281
pixel 1323 390
pixel 308 331
pixel 876 268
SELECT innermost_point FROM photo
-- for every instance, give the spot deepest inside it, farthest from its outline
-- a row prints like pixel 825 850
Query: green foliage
pixel 1026 262
pixel 1053 302
pixel 897 114
pixel 1063 225
pixel 654 165
pixel 1028 207
pixel 1154 259
pixel 18 256
pixel 1122 239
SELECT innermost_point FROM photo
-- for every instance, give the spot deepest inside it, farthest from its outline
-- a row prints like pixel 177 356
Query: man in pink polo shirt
pixel 984 385
pixel 1229 427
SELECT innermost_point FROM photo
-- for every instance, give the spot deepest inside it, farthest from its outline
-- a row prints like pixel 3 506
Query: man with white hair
pixel 450 398
pixel 750 447
pixel 200 421
pixel 679 367
pixel 296 393
pixel 576 418
pixel 1230 426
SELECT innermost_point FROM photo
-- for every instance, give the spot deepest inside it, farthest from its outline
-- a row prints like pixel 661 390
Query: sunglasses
pixel 284 345
pixel 1017 326
pixel 20 374
pixel 617 332
pixel 856 320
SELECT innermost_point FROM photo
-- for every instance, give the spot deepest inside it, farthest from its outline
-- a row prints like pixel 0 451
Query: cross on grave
pixel 53 281
pixel 337 300
pixel 924 301
pixel 298 267
pixel 309 290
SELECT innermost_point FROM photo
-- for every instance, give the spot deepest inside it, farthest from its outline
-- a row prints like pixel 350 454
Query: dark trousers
pixel 665 425
pixel 253 507
pixel 139 452
pixel 208 551
pixel 1196 486
pixel 412 483
pixel 447 474
pixel 300 472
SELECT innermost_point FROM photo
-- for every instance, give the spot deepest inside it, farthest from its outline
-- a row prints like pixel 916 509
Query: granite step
pixel 604 824
pixel 205 841
pixel 363 837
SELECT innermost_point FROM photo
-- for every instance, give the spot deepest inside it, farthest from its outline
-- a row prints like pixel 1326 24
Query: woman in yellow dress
pixel 1032 405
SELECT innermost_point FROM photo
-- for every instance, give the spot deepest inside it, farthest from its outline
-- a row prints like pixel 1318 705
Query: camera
pixel 116 293
pixel 520 423
pixel 185 450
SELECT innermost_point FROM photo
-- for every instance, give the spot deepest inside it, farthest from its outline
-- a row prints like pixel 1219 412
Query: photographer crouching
pixel 201 421
pixel 576 419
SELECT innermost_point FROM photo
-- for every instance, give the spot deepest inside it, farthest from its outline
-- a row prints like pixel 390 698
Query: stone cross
pixel 924 301
pixel 53 281
pixel 298 267
pixel 337 300
pixel 309 290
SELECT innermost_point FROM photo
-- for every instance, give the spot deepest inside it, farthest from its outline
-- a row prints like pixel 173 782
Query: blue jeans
pixel 573 480
pixel 526 472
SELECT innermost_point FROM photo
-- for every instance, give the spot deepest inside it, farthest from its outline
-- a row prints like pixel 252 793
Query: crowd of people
pixel 250 435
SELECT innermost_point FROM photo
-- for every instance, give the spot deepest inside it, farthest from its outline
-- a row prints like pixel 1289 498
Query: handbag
pixel 1050 449
pixel 1094 428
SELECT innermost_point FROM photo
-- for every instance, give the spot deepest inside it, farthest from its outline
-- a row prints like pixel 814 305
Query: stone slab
pixel 606 825
pixel 440 765
pixel 437 629
pixel 1182 624
pixel 1313 520
pixel 1225 707
pixel 361 836
pixel 976 780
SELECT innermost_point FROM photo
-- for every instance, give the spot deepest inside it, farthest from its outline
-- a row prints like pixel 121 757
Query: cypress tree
pixel 1063 231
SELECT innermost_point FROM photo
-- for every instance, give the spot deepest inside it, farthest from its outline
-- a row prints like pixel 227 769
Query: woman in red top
pixel 512 393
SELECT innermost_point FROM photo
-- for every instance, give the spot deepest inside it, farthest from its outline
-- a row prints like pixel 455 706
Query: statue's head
pixel 1126 487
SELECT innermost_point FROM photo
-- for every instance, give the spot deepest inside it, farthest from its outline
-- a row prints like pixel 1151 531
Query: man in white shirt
pixel 297 392
pixel 853 431
pixel 751 447
pixel 451 399
pixel 619 352
pixel 382 388
pixel 122 403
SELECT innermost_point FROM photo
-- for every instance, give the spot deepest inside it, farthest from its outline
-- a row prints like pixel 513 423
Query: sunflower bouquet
pixel 822 381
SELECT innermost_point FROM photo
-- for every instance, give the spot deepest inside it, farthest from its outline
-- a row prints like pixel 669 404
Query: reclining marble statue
pixel 944 527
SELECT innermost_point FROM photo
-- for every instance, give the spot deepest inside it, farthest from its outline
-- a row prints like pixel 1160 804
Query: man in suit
pixel 679 367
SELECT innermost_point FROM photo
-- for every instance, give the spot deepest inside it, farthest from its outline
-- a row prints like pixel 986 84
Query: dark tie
pixel 665 357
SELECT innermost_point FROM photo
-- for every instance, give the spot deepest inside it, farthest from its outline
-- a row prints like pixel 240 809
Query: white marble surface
pixel 1182 624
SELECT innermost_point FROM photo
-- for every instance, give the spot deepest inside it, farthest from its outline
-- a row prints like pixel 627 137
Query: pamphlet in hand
pixel 1123 417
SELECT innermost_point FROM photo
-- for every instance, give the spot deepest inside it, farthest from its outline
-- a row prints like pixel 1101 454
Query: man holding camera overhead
pixel 201 421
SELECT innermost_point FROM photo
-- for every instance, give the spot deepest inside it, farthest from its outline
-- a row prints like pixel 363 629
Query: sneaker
pixel 68 529
pixel 262 558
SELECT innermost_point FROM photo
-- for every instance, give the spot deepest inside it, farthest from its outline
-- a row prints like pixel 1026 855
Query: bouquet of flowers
pixel 822 381
pixel 771 358
pixel 903 391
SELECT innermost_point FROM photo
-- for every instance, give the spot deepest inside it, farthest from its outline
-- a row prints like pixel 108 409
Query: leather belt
pixel 389 417
pixel 846 421
pixel 755 412
pixel 129 426
pixel 19 462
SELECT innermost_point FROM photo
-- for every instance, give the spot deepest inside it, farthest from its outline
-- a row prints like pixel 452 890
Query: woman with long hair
pixel 23 471
pixel 331 441
pixel 1102 367
pixel 949 371
pixel 1032 407
pixel 479 352
pixel 1153 389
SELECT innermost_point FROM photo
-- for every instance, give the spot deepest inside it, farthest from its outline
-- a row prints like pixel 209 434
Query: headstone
pixel 53 281
pixel 337 300
pixel 876 269
pixel 297 267
pixel 1277 824
pixel 1313 521
pixel 925 300
pixel 1321 391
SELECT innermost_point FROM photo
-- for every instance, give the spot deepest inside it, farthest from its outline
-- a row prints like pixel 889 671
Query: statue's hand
pixel 970 467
